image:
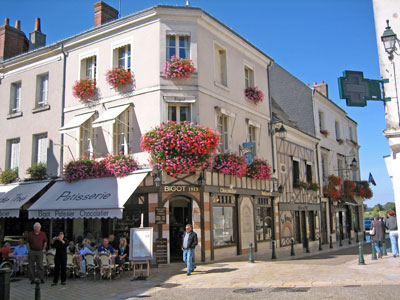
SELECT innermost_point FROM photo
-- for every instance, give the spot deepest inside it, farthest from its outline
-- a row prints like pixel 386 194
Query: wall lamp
pixel 389 39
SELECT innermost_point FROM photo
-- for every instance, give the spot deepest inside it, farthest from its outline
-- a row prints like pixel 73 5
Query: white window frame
pixel 321 120
pixel 121 128
pixel 341 166
pixel 220 68
pixel 83 58
pixel 351 133
pixel 40 148
pixel 42 92
pixel 178 108
pixel 248 76
pixel 337 130
pixel 13 153
pixel 177 47
pixel 15 101
pixel 324 167
pixel 252 136
pixel 86 138
pixel 115 47
pixel 222 120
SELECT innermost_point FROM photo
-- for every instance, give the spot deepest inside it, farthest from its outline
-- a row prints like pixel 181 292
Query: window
pixel 296 173
pixel 341 170
pixel 351 137
pixel 220 65
pixel 178 45
pixel 337 130
pixel 252 137
pixel 40 151
pixel 179 112
pixel 88 67
pixel 15 97
pixel 321 120
pixel 42 86
pixel 248 77
pixel 86 136
pixel 121 133
pixel 222 127
pixel 13 153
pixel 224 220
pixel 264 219
pixel 309 173
pixel 324 163
pixel 122 56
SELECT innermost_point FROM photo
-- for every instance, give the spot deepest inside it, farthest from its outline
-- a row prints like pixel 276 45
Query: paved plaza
pixel 323 275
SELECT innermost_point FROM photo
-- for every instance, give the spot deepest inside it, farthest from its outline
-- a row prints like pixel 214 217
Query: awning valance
pixel 110 115
pixel 90 198
pixel 76 122
pixel 19 195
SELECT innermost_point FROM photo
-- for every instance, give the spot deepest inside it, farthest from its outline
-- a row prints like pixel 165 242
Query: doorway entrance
pixel 180 214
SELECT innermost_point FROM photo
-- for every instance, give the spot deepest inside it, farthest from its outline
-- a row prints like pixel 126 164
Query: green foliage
pixel 8 175
pixel 37 172
pixel 389 206
pixel 376 210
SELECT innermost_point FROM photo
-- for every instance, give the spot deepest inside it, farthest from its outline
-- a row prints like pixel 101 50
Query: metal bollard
pixel 319 244
pixel 5 275
pixel 365 236
pixel 349 237
pixel 251 259
pixel 357 240
pixel 384 251
pixel 330 242
pixel 361 255
pixel 292 247
pixel 373 256
pixel 273 250
pixel 307 246
pixel 37 289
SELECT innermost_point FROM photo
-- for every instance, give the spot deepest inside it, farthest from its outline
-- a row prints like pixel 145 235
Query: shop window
pixel 131 217
pixel 220 65
pixel 178 45
pixel 179 112
pixel 224 220
pixel 40 150
pixel 15 101
pixel 264 218
pixel 121 133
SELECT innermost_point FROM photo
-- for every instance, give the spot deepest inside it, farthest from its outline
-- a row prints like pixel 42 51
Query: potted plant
pixel 118 76
pixel 331 190
pixel 325 132
pixel 37 171
pixel 120 165
pixel 177 67
pixel 254 94
pixel 84 89
pixel 313 186
pixel 349 188
pixel 8 175
pixel 230 164
pixel 259 169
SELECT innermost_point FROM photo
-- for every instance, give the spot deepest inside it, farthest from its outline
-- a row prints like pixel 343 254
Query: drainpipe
pixel 63 106
pixel 270 116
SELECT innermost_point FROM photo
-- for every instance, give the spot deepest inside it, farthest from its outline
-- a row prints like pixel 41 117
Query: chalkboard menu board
pixel 161 251
pixel 161 215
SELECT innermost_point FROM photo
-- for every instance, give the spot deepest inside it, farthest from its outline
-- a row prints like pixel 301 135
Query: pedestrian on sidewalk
pixel 391 225
pixel 37 243
pixel 379 237
pixel 189 242
pixel 60 260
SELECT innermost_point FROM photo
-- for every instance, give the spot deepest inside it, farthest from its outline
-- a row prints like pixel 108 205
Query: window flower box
pixel 363 190
pixel 331 190
pixel 37 171
pixel 176 68
pixel 324 132
pixel 118 77
pixel 8 175
pixel 311 186
pixel 349 188
pixel 254 94
pixel 84 89
pixel 259 169
pixel 230 164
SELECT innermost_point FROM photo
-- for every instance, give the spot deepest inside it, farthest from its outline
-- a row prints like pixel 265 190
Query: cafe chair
pixel 106 267
pixel 50 262
pixel 70 264
pixel 91 266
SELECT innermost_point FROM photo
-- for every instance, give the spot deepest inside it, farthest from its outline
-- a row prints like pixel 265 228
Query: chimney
pixel 322 88
pixel 104 13
pixel 37 39
pixel 13 41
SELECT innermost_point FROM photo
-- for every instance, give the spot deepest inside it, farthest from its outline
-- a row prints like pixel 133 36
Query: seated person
pixel 20 255
pixel 113 241
pixel 5 251
pixel 123 253
pixel 103 248
pixel 71 247
pixel 85 250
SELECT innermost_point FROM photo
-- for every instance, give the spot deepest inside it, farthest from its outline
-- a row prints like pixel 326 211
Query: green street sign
pixel 357 90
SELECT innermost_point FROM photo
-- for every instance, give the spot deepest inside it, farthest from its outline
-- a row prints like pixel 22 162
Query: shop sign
pixel 293 206
pixel 180 188
pixel 227 191
pixel 264 193
pixel 161 251
pixel 161 215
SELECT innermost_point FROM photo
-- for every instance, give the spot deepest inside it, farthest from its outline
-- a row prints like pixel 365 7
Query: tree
pixel 389 206
pixel 376 210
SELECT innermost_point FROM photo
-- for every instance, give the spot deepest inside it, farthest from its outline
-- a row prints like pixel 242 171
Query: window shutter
pixel 42 149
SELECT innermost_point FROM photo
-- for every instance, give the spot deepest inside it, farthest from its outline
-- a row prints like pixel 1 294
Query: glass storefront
pixel 224 220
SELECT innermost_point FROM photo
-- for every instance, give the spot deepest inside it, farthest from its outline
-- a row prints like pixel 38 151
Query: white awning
pixel 110 115
pixel 20 194
pixel 89 199
pixel 171 99
pixel 76 122
pixel 4 188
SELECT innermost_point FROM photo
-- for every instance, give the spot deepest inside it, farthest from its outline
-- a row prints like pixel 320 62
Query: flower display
pixel 118 76
pixel 179 148
pixel 84 88
pixel 230 164
pixel 37 171
pixel 363 190
pixel 177 67
pixel 312 186
pixel 324 132
pixel 259 169
pixel 349 188
pixel 8 175
pixel 331 190
pixel 254 94
pixel 120 165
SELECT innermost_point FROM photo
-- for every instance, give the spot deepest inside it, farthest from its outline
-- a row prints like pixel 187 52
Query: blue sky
pixel 314 40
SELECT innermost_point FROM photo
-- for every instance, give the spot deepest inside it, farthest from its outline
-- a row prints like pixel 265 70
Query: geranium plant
pixel 179 148
pixel 119 76
pixel 324 132
pixel 259 169
pixel 84 89
pixel 177 67
pixel 84 168
pixel 349 188
pixel 120 165
pixel 363 190
pixel 254 94
pixel 331 190
pixel 8 175
pixel 230 164
pixel 37 171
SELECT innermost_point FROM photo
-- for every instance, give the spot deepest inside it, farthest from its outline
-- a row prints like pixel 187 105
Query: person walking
pixel 37 243
pixel 60 259
pixel 189 242
pixel 379 236
pixel 391 225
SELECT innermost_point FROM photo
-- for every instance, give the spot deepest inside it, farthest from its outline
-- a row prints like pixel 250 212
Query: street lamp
pixel 282 132
pixel 389 39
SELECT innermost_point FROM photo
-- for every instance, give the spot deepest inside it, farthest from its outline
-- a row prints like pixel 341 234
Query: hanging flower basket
pixel 118 77
pixel 332 189
pixel 259 169
pixel 120 165
pixel 84 89
pixel 363 190
pixel 325 132
pixel 180 148
pixel 254 94
pixel 349 188
pixel 177 67
pixel 230 164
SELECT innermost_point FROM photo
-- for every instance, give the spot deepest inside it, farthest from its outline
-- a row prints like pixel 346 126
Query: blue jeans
pixel 378 247
pixel 188 259
pixel 394 236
